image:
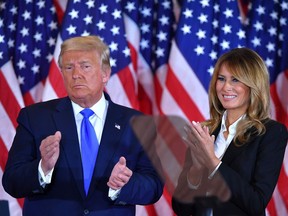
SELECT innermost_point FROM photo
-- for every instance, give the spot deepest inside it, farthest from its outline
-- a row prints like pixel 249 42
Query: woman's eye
pixel 235 80
pixel 220 78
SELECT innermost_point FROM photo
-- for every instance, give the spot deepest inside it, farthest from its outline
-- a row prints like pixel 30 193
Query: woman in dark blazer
pixel 237 154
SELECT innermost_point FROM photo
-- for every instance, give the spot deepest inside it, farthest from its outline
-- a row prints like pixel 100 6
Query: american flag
pixel 206 29
pixel 28 32
pixel 159 65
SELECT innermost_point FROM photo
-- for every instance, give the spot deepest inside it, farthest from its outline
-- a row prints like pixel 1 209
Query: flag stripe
pixel 8 99
pixel 4 154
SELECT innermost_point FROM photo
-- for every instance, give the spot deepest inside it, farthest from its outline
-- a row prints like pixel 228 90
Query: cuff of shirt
pixel 113 194
pixel 214 171
pixel 42 178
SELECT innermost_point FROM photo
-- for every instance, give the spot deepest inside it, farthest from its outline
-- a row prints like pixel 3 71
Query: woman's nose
pixel 227 86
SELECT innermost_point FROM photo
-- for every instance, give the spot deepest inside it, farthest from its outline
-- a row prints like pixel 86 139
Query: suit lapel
pixel 69 145
pixel 112 131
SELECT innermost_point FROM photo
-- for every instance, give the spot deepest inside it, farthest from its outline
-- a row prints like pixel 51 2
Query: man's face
pixel 83 76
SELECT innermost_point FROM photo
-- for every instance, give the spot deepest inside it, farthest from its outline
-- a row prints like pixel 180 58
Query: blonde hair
pixel 249 68
pixel 86 43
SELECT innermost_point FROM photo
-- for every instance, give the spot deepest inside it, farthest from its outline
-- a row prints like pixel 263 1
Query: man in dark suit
pixel 45 161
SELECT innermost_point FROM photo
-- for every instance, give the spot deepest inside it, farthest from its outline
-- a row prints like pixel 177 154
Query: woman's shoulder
pixel 273 123
pixel 276 127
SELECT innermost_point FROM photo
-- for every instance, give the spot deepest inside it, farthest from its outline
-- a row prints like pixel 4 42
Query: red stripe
pixel 3 155
pixel 244 6
pixel 158 94
pixel 56 80
pixel 172 138
pixel 150 209
pixel 280 111
pixel 145 104
pixel 134 56
pixel 182 98
pixel 168 197
pixel 271 208
pixel 8 100
pixel 127 81
pixel 59 11
pixel 282 185
pixel 28 100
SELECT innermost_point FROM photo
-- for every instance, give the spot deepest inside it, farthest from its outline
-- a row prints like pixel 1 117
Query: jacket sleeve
pixel 251 191
pixel 20 177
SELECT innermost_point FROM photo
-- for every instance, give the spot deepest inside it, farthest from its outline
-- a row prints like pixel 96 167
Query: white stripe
pixel 279 202
pixel 63 4
pixel 163 207
pixel 116 91
pixel 57 48
pixel 9 74
pixel 132 32
pixel 285 161
pixel 48 92
pixel 282 90
pixel 189 80
pixel 8 131
pixel 169 106
pixel 37 92
pixel 141 211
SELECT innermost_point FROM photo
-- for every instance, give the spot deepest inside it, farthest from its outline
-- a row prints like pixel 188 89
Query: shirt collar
pixel 98 108
pixel 232 127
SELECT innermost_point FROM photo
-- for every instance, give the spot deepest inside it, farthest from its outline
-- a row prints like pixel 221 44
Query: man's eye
pixel 86 67
pixel 68 68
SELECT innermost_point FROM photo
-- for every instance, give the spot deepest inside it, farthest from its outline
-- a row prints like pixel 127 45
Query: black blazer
pixel 250 171
pixel 65 195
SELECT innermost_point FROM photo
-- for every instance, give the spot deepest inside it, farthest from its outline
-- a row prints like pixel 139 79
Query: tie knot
pixel 87 113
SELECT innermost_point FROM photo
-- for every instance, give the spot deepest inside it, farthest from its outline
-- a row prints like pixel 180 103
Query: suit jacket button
pixel 86 211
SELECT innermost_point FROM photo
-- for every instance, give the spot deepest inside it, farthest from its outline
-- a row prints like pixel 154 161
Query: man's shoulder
pixel 47 104
pixel 125 109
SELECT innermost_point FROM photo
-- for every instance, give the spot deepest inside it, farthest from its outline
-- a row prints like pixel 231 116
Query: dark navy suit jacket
pixel 65 195
pixel 250 172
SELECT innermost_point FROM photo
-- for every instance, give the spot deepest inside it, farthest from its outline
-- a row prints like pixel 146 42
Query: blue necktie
pixel 89 147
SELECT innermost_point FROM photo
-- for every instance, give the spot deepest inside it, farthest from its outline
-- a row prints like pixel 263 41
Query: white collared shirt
pixel 221 144
pixel 97 120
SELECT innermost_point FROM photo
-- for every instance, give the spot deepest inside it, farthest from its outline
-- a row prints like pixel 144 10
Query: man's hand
pixel 120 175
pixel 50 150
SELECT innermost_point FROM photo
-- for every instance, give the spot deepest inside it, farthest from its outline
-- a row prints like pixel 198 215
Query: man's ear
pixel 106 71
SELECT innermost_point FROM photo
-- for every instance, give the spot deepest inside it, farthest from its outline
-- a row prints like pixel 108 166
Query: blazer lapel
pixel 69 144
pixel 232 151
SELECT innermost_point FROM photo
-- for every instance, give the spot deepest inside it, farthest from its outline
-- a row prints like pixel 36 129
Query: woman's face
pixel 233 94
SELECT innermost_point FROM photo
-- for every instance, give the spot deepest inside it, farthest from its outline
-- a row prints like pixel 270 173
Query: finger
pixel 122 161
pixel 58 135
pixel 49 154
pixel 112 185
pixel 197 129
